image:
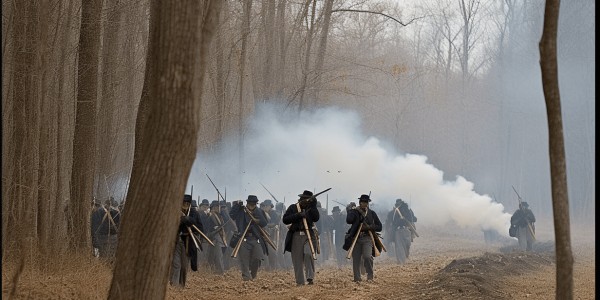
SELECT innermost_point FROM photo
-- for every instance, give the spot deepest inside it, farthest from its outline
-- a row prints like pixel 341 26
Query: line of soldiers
pixel 214 235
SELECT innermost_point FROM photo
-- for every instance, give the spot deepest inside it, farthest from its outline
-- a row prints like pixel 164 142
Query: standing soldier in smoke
pixel 301 216
pixel 272 229
pixel 523 218
pixel 338 225
pixel 185 244
pixel 230 228
pixel 361 243
pixel 401 229
pixel 216 232
pixel 253 247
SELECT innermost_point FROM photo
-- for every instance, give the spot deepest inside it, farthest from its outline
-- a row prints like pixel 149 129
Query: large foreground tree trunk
pixel 147 236
pixel 558 165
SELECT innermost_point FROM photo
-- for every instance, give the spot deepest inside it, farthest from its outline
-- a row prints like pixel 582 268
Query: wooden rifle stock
pixel 262 231
pixel 239 243
pixel 410 224
pixel 528 224
pixel 307 232
pixel 377 253
pixel 349 255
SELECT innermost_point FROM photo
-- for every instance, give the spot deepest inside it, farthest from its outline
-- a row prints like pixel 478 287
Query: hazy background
pixel 410 124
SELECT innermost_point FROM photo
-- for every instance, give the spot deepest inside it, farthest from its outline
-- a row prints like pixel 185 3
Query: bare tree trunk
pixel 107 140
pixel 221 83
pixel 169 148
pixel 306 68
pixel 23 184
pixel 50 23
pixel 245 34
pixel 320 60
pixel 268 68
pixel 558 164
pixel 280 64
pixel 84 141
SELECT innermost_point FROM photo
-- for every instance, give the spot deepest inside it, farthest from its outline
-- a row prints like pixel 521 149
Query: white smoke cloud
pixel 325 148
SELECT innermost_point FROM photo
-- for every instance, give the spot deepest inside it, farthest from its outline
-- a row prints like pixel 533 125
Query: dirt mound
pixel 482 277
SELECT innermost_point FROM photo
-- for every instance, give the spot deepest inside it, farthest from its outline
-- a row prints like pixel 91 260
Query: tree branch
pixel 377 13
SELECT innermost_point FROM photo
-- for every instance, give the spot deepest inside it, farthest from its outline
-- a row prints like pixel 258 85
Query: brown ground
pixel 445 263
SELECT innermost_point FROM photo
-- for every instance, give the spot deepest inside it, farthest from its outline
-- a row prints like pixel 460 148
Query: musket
pixel 198 230
pixel 314 197
pixel 312 248
pixel 273 196
pixel 235 251
pixel 340 203
pixel 219 193
pixel 528 224
pixel 410 224
pixel 262 231
pixel 111 221
pixel 349 255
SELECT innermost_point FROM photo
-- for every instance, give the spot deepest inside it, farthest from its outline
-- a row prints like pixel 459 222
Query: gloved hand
pixel 302 213
pixel 186 220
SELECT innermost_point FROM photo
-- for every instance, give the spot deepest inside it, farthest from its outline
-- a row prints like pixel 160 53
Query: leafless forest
pixel 114 98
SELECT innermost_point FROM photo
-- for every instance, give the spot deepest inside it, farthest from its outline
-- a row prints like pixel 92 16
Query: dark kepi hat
pixel 399 201
pixel 364 198
pixel 187 198
pixel 266 202
pixel 306 194
pixel 252 198
pixel 194 203
pixel 524 204
pixel 214 203
pixel 204 202
pixel 335 208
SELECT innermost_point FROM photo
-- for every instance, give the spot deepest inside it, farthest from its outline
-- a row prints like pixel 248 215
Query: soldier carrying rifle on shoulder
pixel 301 239
pixel 362 241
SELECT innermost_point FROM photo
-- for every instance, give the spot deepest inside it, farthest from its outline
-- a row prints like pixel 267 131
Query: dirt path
pixel 445 263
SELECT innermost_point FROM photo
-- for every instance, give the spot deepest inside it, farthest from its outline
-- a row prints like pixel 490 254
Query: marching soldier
pixel 273 230
pixel 400 220
pixel 184 245
pixel 301 216
pixel 253 247
pixel 523 218
pixel 105 225
pixel 230 228
pixel 216 233
pixel 339 228
pixel 364 224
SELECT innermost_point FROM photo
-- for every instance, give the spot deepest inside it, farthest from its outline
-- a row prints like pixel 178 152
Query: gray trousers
pixel 215 258
pixel 402 244
pixel 250 256
pixel 525 238
pixel 180 264
pixel 362 252
pixel 302 258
